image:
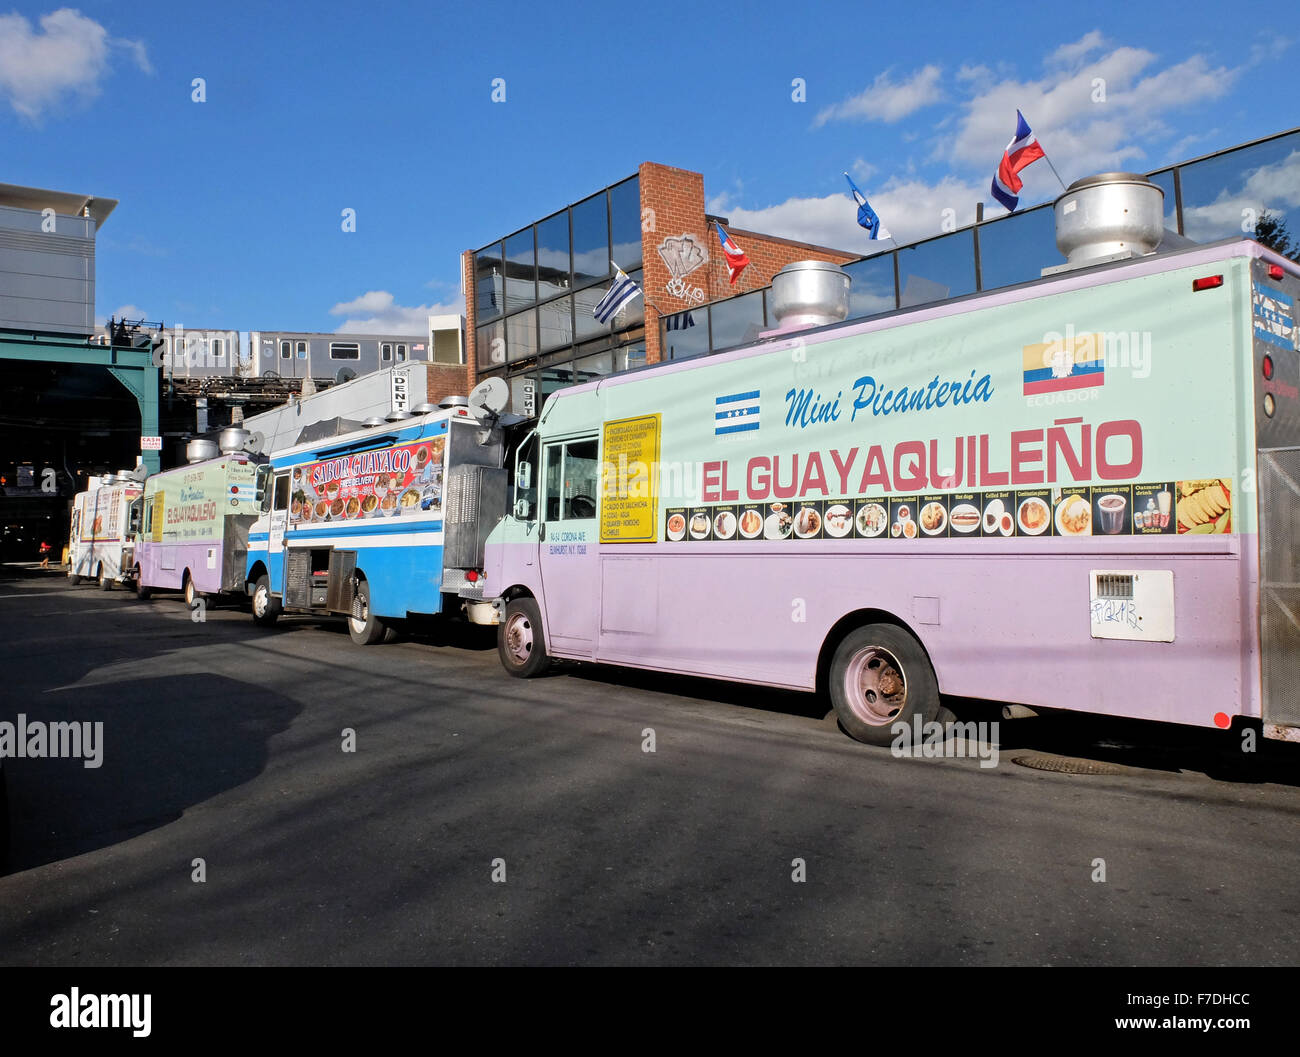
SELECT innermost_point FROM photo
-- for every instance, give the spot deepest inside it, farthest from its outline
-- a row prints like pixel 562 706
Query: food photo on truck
pixel 1078 493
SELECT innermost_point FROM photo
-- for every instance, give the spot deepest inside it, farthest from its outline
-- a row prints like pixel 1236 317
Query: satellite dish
pixel 255 443
pixel 490 396
pixel 344 374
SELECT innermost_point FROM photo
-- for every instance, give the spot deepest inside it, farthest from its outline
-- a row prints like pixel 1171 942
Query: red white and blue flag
pixel 737 262
pixel 1023 150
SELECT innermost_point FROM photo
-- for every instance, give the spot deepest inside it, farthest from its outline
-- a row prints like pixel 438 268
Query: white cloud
pixel 1069 55
pixel 377 312
pixel 888 100
pixel 910 208
pixel 1091 115
pixel 130 312
pixel 68 57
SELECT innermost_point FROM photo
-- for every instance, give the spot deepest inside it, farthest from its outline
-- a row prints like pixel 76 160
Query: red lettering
pixel 1020 457
pixel 989 477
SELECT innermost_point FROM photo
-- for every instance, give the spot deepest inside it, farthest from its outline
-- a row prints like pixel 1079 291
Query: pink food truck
pixel 1077 493
pixel 193 521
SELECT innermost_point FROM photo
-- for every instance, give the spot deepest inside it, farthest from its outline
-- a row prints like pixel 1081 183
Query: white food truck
pixel 99 543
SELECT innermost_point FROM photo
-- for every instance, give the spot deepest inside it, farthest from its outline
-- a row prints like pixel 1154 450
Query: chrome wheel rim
pixel 875 686
pixel 260 601
pixel 519 638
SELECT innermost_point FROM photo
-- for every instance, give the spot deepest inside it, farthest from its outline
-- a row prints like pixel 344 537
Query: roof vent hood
pixel 809 294
pixel 1108 217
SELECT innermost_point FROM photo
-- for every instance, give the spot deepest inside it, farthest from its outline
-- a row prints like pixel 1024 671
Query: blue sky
pixel 230 211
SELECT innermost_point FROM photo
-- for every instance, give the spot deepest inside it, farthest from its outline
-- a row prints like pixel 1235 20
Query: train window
pixel 216 348
pixel 302 350
pixel 286 350
pixel 341 350
pixel 385 351
pixel 401 353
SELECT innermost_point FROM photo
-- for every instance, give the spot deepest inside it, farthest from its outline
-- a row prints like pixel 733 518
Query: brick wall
pixel 448 379
pixel 675 201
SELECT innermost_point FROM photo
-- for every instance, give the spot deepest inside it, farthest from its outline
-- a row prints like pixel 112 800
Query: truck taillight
pixel 1267 367
pixel 1276 271
pixel 472 576
pixel 1208 282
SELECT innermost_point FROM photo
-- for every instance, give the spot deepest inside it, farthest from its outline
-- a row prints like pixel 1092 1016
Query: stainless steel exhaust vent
pixel 1108 217
pixel 809 294
pixel 232 439
pixel 201 450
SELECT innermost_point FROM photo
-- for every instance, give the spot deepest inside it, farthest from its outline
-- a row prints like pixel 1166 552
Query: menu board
pixel 1144 509
pixel 628 487
pixel 401 481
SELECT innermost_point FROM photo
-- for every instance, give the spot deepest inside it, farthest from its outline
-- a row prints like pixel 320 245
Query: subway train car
pixel 193 354
pixel 286 354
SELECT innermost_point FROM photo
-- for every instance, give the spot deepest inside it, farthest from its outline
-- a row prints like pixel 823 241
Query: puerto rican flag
pixel 1023 150
pixel 737 262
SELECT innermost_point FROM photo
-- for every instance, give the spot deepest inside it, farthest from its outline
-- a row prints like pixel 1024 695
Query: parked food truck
pixel 99 542
pixel 381 524
pixel 1077 493
pixel 193 521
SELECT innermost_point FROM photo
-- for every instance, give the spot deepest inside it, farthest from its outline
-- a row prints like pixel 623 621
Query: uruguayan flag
pixel 737 413
pixel 623 290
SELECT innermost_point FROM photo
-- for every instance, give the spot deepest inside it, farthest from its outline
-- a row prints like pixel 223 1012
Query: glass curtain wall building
pixel 534 292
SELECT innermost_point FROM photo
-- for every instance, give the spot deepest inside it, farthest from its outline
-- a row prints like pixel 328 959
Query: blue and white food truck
pixel 381 524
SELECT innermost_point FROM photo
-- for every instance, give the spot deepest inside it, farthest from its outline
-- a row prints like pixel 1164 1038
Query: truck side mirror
pixel 525 476
pixel 523 510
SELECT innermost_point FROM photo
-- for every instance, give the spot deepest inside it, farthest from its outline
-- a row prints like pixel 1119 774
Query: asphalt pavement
pixel 485 820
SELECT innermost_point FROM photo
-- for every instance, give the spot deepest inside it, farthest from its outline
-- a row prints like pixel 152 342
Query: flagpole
pixel 1053 168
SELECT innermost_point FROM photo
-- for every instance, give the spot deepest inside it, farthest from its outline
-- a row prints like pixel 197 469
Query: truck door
pixel 279 522
pixel 569 561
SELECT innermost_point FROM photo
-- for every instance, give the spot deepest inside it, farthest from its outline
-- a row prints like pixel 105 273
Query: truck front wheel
pixel 266 607
pixel 365 628
pixel 105 581
pixel 880 676
pixel 520 642
pixel 141 592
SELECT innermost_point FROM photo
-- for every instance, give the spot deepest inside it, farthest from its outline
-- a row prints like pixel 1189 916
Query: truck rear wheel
pixel 192 593
pixel 367 629
pixel 73 579
pixel 266 607
pixel 105 581
pixel 880 676
pixel 520 642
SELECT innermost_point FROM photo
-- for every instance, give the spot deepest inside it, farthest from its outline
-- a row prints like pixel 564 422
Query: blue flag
pixel 866 215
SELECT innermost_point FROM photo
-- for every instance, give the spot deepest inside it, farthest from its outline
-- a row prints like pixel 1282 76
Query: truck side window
pixel 572 478
pixel 282 492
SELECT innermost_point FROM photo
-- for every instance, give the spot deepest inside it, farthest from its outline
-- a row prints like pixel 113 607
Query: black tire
pixel 105 581
pixel 141 592
pixel 521 644
pixel 880 676
pixel 370 630
pixel 192 594
pixel 266 607
pixel 73 579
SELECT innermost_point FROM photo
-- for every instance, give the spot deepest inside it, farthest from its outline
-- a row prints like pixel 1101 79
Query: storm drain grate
pixel 1068 764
